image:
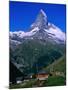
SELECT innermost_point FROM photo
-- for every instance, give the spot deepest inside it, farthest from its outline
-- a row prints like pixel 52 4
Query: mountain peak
pixel 41 20
pixel 43 13
pixel 40 29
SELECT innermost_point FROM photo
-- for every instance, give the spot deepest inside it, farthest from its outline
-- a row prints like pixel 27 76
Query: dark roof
pixel 19 78
pixel 43 72
pixel 30 74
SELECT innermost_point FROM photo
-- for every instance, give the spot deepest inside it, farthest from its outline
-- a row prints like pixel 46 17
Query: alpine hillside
pixel 34 50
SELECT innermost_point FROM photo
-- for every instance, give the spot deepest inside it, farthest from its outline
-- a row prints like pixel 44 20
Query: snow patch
pixel 56 33
pixel 22 34
pixel 15 41
pixel 43 13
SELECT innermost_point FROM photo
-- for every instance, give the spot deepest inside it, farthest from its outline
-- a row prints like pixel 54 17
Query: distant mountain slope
pixel 31 53
pixel 58 65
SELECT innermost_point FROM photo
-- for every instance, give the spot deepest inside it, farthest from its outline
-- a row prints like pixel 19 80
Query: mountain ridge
pixel 40 29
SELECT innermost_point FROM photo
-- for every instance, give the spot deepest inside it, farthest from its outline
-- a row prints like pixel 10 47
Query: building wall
pixel 42 76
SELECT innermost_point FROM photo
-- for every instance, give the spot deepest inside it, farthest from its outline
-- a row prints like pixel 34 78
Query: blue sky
pixel 23 14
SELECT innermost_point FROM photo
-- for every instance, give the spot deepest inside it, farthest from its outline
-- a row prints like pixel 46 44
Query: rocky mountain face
pixel 41 29
pixel 40 46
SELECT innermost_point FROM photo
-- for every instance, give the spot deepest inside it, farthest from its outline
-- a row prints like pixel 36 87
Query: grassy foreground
pixel 52 81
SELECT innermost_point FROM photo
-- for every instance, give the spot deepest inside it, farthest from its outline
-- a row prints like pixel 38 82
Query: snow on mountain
pixel 43 13
pixel 40 29
pixel 16 42
pixel 17 33
pixel 22 34
pixel 41 20
pixel 56 32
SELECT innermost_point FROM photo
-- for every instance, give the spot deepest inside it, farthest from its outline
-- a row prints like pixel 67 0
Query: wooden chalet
pixel 42 75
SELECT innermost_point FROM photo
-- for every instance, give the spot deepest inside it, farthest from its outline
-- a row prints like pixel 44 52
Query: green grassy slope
pixel 31 53
pixel 58 65
pixel 55 81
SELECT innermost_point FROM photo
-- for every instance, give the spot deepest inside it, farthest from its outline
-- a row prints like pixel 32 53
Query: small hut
pixel 42 75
